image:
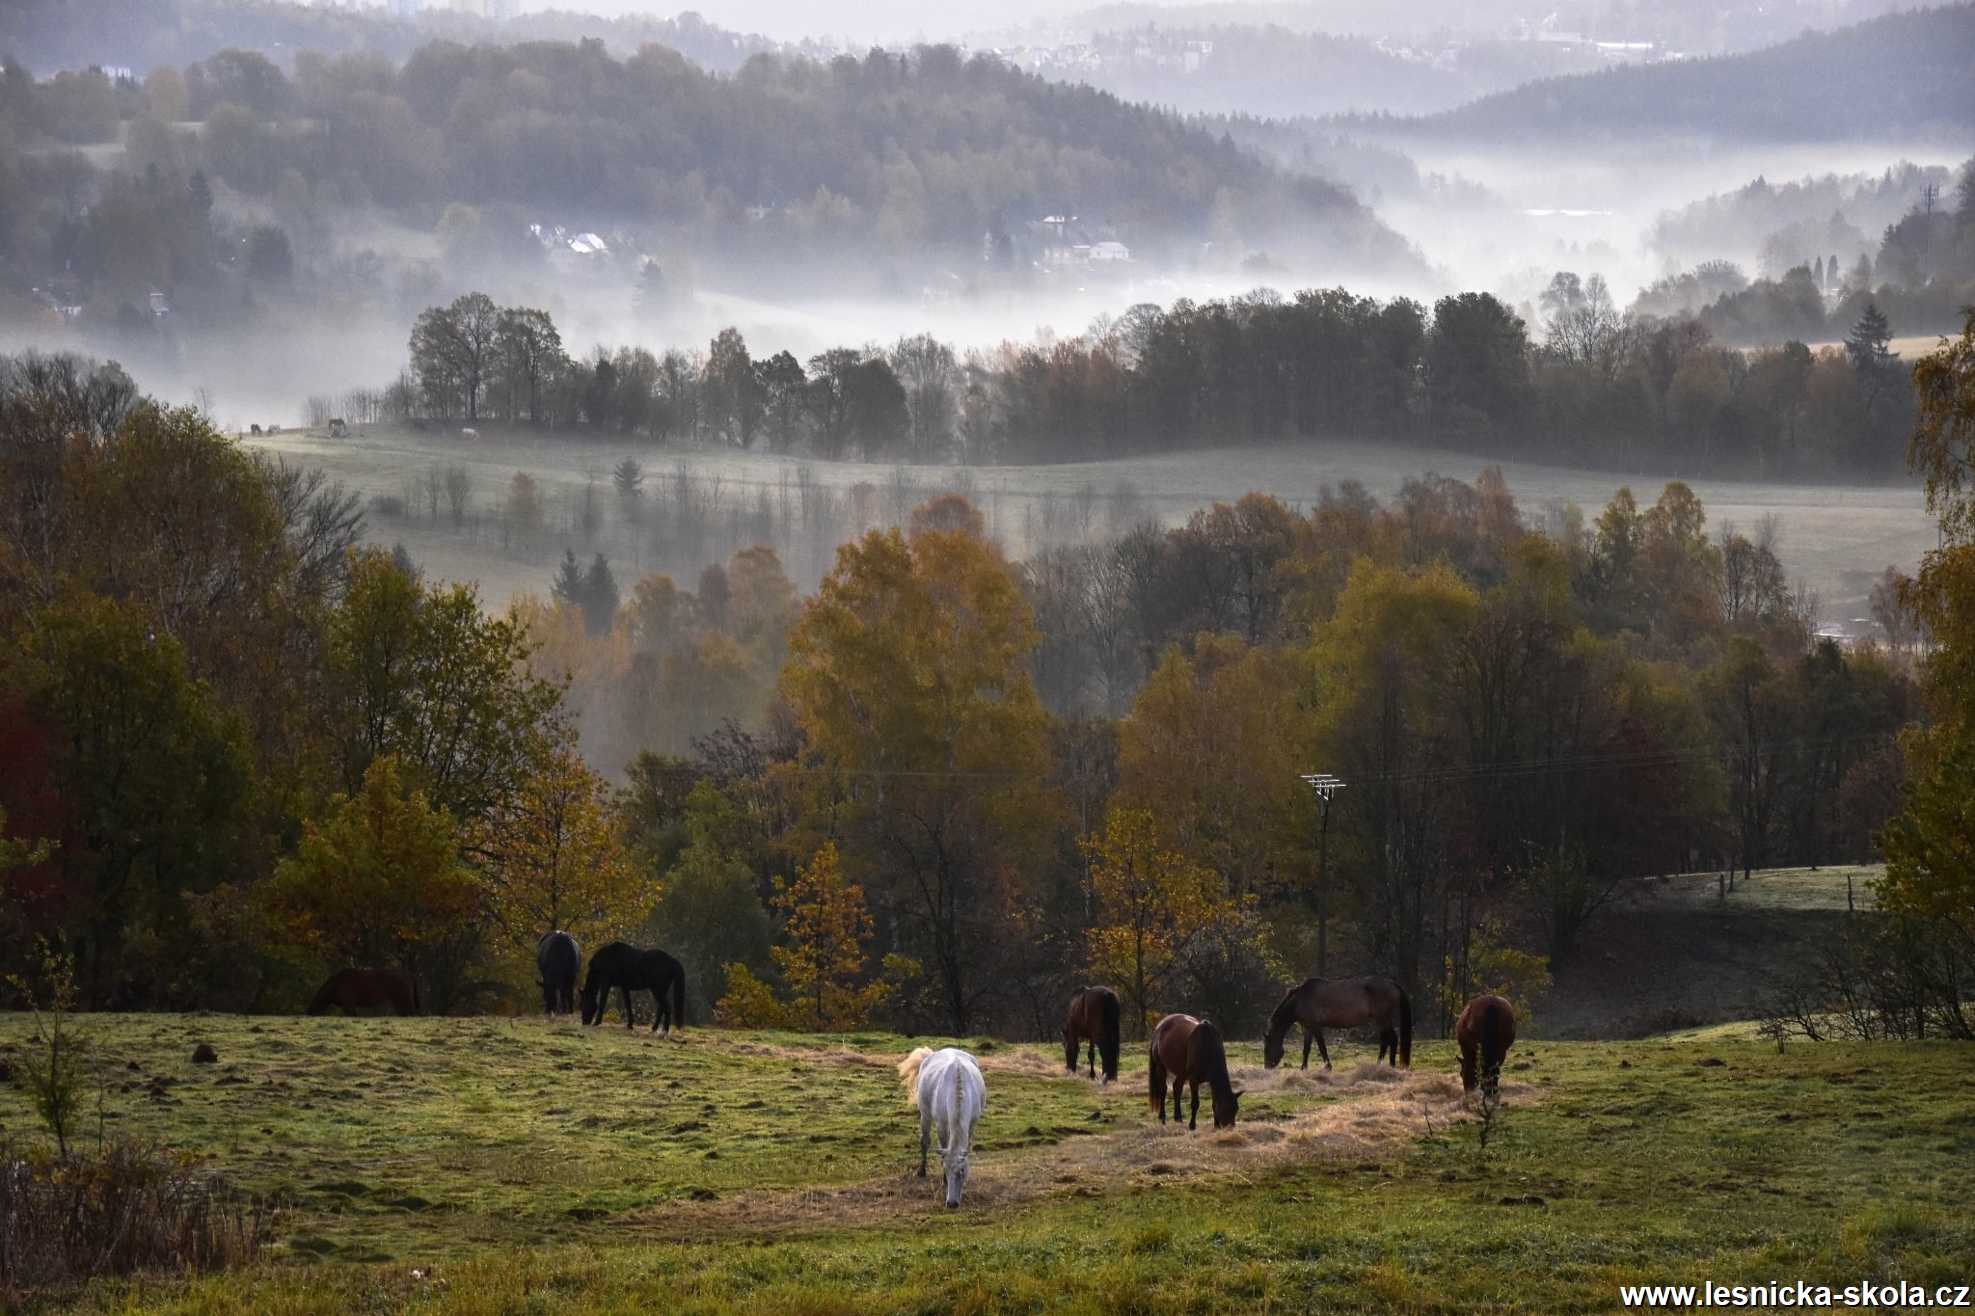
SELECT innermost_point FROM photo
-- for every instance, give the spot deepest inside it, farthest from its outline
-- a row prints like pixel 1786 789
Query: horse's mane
pixel 1206 1048
pixel 1285 1011
pixel 908 1074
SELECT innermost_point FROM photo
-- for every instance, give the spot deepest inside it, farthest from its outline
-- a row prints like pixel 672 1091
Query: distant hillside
pixel 46 35
pixel 1274 71
pixel 1902 76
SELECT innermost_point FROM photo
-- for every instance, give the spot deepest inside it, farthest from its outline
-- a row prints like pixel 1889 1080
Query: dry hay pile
pixel 1375 1109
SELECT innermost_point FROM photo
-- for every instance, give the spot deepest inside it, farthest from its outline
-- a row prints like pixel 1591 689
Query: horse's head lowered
pixel 955 1162
pixel 1225 1108
pixel 592 1003
pixel 1272 1047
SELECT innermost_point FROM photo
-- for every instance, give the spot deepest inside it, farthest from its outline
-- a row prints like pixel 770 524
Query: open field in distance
pixel 1836 538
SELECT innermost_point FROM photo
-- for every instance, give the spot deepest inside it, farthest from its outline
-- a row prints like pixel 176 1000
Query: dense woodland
pixel 1596 388
pixel 814 171
pixel 952 784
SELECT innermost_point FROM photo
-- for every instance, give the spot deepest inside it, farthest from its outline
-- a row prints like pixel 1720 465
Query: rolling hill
pixel 1899 77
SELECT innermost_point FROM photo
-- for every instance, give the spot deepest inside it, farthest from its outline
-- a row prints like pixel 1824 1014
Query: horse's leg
pixel 1193 1114
pixel 1321 1049
pixel 1307 1035
pixel 1093 1057
pixel 624 991
pixel 925 1138
pixel 1179 1086
pixel 658 1010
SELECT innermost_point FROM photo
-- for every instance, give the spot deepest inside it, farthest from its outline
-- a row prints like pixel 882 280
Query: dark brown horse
pixel 1320 1003
pixel 1093 1018
pixel 366 990
pixel 1486 1031
pixel 1190 1050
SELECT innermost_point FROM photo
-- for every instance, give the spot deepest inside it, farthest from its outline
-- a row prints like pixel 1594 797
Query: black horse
pixel 558 959
pixel 629 969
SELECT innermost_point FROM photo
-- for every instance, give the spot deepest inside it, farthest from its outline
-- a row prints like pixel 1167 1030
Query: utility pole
pixel 1325 785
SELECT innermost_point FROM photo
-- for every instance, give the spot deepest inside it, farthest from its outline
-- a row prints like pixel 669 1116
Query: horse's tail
pixel 908 1074
pixel 324 998
pixel 678 997
pixel 1155 1088
pixel 1405 1028
pixel 1107 1041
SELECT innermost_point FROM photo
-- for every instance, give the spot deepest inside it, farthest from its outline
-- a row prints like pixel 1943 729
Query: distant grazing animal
pixel 630 969
pixel 946 1088
pixel 1190 1050
pixel 1320 1003
pixel 558 959
pixel 338 428
pixel 1486 1031
pixel 255 428
pixel 469 433
pixel 1093 1018
pixel 274 429
pixel 355 990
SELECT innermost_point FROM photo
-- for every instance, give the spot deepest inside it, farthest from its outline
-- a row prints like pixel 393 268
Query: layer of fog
pixel 1593 213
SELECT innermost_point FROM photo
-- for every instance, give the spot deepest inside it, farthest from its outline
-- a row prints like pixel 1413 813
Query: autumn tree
pixel 1212 749
pixel 825 930
pixel 907 674
pixel 1930 874
pixel 419 672
pixel 1151 905
pixel 552 857
pixel 152 774
pixel 377 877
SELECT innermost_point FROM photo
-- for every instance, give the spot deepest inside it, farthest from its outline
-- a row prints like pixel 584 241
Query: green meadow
pixel 483 1165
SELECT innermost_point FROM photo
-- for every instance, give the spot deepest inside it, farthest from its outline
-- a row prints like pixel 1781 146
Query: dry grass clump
pixel 1376 1108
pixel 125 1207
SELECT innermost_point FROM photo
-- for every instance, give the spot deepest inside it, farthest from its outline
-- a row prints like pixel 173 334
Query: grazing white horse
pixel 945 1087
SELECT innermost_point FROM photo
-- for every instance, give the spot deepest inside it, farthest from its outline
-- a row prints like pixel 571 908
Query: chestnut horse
pixel 1093 1018
pixel 1320 1003
pixel 1486 1031
pixel 365 990
pixel 1190 1050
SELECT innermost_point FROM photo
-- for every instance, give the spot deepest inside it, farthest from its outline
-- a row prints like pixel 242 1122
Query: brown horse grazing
pixel 1486 1031
pixel 1094 1019
pixel 1320 1003
pixel 1190 1050
pixel 366 990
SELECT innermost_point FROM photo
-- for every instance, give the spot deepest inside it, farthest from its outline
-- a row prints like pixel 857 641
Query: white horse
pixel 945 1086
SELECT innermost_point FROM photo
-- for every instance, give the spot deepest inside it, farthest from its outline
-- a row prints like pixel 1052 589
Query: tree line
pixel 1596 388
pixel 945 786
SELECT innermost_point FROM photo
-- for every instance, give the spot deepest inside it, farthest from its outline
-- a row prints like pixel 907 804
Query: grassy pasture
pixel 515 1165
pixel 1837 538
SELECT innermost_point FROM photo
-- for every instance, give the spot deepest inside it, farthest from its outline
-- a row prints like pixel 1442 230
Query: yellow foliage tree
pixel 377 878
pixel 827 928
pixel 553 858
pixel 908 674
pixel 1212 750
pixel 1152 904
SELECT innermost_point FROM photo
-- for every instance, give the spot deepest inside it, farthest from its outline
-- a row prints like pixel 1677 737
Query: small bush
pixel 387 507
pixel 124 1207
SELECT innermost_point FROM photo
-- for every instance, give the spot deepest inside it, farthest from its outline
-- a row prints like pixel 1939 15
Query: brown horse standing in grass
pixel 1094 1019
pixel 1485 1032
pixel 366 990
pixel 1320 1003
pixel 1190 1050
